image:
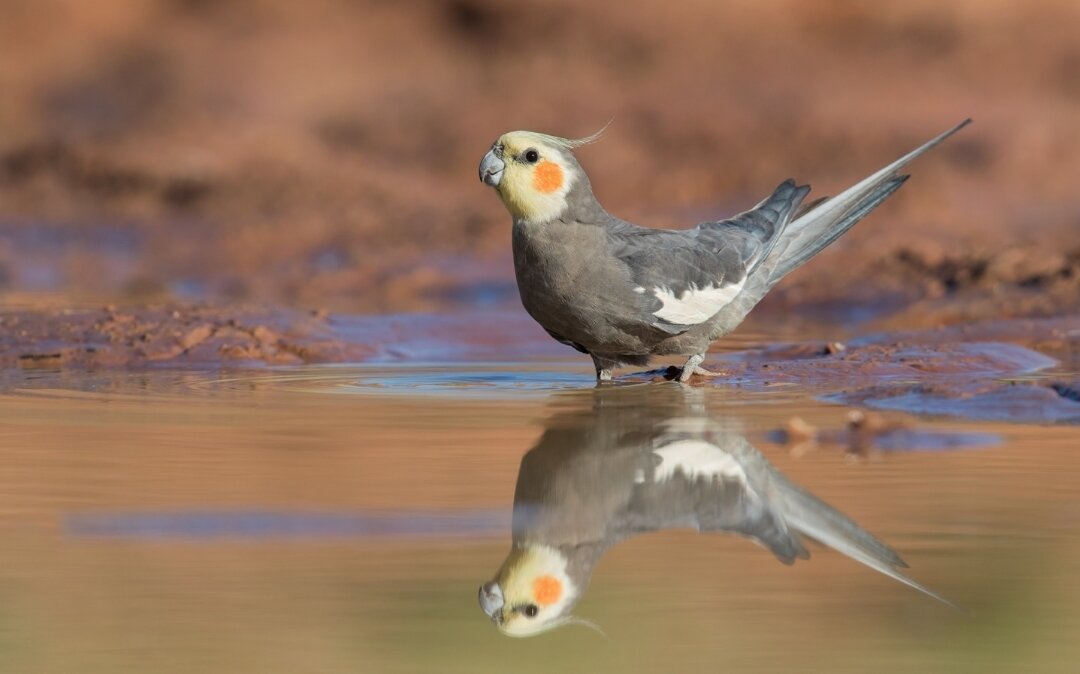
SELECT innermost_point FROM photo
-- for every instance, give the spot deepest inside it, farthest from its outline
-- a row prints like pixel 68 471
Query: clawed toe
pixel 688 373
pixel 702 372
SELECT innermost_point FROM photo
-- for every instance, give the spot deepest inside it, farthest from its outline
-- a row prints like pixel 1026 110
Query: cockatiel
pixel 623 293
pixel 639 465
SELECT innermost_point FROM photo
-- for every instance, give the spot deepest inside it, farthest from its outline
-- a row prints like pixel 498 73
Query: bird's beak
pixel 491 596
pixel 491 168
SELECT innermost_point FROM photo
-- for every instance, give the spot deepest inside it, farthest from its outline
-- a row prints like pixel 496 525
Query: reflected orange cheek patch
pixel 547 177
pixel 546 590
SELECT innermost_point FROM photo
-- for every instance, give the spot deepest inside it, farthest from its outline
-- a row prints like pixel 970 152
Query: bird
pixel 623 293
pixel 632 464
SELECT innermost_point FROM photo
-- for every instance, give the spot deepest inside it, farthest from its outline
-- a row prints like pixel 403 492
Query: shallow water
pixel 341 519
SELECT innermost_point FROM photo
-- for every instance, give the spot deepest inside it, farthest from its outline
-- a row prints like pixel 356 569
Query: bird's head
pixel 532 592
pixel 534 173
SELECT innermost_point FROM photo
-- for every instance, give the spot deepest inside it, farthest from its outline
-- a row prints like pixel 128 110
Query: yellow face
pixel 531 173
pixel 535 593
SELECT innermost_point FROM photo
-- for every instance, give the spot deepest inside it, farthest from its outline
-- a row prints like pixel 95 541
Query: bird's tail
pixel 826 221
pixel 815 519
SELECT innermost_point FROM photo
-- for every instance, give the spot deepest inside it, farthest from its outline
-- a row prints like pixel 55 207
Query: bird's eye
pixel 532 156
pixel 531 610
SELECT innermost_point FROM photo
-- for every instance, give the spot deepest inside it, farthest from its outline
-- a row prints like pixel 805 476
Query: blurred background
pixel 322 155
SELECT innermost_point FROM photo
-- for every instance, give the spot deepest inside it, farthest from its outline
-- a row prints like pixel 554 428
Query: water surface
pixel 341 519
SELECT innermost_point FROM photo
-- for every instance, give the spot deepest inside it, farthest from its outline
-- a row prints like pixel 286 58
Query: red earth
pixel 187 160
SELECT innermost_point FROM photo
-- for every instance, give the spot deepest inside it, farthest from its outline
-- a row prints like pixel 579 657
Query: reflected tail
pixel 818 520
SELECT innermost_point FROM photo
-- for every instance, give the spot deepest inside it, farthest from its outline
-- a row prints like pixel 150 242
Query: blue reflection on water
pixel 201 524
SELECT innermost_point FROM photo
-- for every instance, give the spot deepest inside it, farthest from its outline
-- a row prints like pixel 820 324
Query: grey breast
pixel 573 287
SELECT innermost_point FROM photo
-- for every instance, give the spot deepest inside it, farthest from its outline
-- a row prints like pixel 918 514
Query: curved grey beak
pixel 491 601
pixel 491 168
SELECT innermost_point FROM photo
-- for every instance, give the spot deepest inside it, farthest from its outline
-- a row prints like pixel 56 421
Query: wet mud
pixel 1021 402
pixel 1020 371
pixel 161 335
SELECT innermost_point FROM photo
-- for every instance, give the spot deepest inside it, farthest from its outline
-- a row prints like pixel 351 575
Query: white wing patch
pixel 695 305
pixel 697 458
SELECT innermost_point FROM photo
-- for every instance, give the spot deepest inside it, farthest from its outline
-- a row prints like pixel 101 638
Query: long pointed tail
pixel 816 519
pixel 817 228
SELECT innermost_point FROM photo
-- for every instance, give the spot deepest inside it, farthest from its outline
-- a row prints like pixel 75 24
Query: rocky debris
pixel 184 336
pixel 811 365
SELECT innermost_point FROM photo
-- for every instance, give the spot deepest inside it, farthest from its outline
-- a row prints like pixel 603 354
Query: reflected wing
pixel 700 484
pixel 720 482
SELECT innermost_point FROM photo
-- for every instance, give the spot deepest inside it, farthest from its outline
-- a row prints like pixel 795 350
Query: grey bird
pixel 623 293
pixel 639 464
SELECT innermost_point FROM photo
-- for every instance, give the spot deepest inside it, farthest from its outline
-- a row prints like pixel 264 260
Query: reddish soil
pixel 322 155
pixel 193 337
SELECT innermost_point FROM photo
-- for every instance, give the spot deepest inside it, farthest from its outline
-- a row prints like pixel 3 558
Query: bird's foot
pixel 686 375
pixel 693 368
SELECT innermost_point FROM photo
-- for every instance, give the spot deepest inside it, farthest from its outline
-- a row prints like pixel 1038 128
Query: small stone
pixel 196 336
pixel 833 348
pixel 264 335
pixel 799 430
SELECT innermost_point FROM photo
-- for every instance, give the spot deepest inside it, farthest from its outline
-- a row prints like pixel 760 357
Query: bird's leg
pixel 603 368
pixel 693 366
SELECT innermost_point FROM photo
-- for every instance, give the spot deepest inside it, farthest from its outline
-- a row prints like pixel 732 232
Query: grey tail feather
pixel 809 206
pixel 824 222
pixel 835 230
pixel 779 206
pixel 819 521
pixel 768 220
pixel 803 508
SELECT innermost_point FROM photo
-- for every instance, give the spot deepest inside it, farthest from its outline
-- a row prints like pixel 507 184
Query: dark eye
pixel 532 156
pixel 531 610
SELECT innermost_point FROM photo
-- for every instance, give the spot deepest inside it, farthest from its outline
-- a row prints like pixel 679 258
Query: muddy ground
pixel 224 175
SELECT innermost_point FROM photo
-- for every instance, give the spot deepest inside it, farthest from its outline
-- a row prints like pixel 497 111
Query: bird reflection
pixel 630 464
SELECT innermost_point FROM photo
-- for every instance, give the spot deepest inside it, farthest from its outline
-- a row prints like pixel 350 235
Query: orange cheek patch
pixel 547 177
pixel 546 590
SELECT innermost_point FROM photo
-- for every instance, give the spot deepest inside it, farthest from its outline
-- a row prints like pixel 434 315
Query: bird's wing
pixel 683 278
pixel 757 230
pixel 677 281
